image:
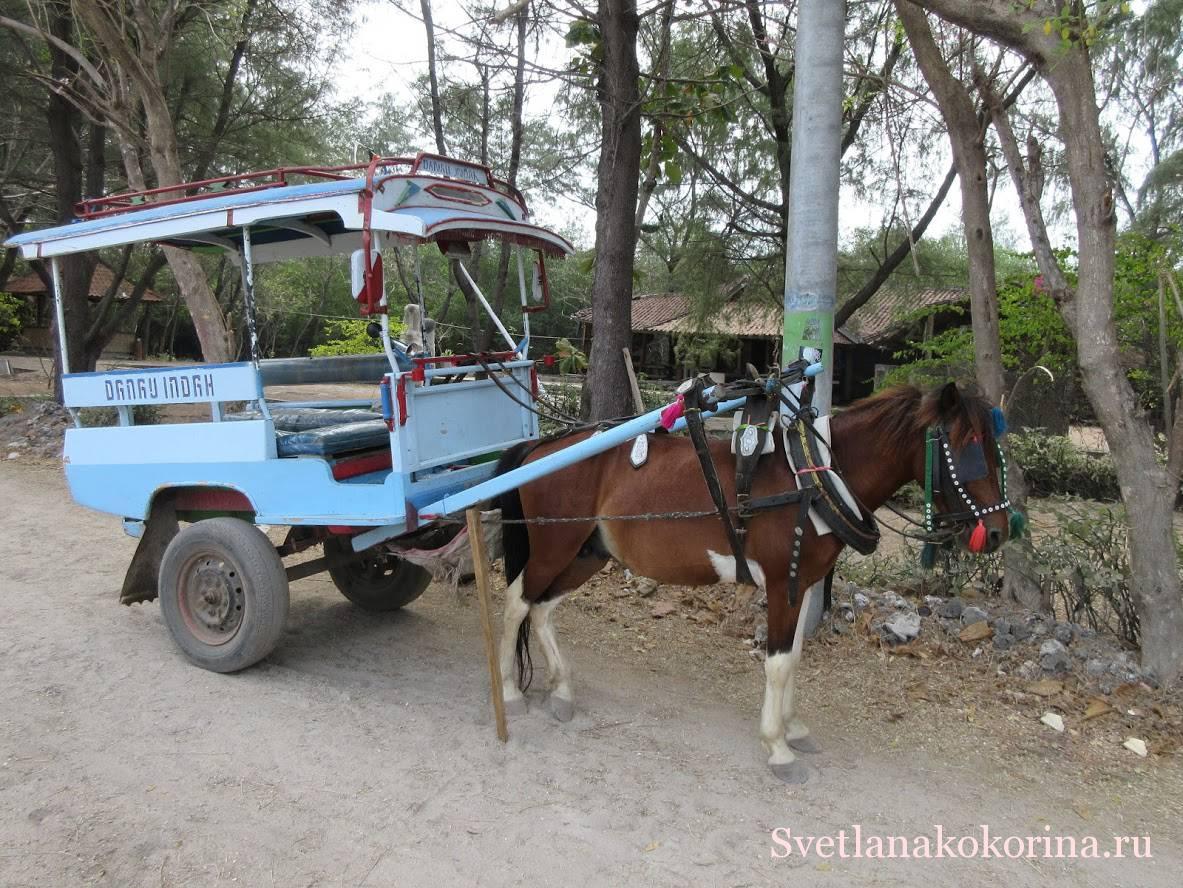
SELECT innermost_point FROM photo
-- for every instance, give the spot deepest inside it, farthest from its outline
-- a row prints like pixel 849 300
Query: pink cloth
pixel 672 413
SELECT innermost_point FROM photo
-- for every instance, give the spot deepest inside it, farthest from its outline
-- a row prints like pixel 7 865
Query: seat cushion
pixel 334 440
pixel 301 419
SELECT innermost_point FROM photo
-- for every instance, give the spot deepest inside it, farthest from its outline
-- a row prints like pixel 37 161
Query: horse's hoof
pixel 562 709
pixel 793 773
pixel 515 706
pixel 805 744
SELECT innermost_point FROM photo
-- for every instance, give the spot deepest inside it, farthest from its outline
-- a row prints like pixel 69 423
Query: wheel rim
pixel 211 597
pixel 373 570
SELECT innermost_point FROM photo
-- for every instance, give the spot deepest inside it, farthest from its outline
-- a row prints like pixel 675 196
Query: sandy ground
pixel 362 753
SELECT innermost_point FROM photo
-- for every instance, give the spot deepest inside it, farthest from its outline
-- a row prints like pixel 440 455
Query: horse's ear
pixel 949 400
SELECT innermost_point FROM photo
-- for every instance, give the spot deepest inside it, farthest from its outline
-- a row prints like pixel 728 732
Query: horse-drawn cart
pixel 361 478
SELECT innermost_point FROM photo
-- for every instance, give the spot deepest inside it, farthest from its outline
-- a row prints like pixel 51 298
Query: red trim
pixel 401 395
pixel 534 381
pixel 278 177
pixel 352 466
pixel 470 359
pixel 211 499
pixel 344 530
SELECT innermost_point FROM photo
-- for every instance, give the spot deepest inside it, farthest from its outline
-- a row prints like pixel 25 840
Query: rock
pixel 1021 631
pixel 645 586
pixel 1003 642
pixel 1038 627
pixel 662 609
pixel 1001 627
pixel 13 455
pixel 895 601
pixel 760 636
pixel 1029 671
pixel 1136 746
pixel 972 615
pixel 861 600
pixel 904 626
pixel 1096 667
pixel 934 601
pixel 845 612
pixel 1054 657
pixel 975 631
pixel 924 610
pixel 1063 633
pixel 1053 720
pixel 951 609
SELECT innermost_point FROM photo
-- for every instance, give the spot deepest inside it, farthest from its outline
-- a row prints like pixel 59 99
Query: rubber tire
pixel 385 594
pixel 265 592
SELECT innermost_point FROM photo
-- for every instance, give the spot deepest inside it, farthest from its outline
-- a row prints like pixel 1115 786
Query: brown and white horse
pixel 878 445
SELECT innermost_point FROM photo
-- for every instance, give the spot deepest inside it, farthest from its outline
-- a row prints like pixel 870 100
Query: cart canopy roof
pixel 411 200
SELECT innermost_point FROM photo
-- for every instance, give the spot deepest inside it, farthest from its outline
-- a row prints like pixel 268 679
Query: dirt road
pixel 361 752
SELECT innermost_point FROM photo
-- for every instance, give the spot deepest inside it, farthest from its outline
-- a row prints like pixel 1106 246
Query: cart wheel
pixel 378 583
pixel 223 593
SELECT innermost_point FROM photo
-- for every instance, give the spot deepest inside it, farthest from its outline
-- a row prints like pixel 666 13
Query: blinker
pixel 970 462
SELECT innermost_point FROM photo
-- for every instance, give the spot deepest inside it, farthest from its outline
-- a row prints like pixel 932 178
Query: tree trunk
pixel 966 130
pixel 139 65
pixel 606 393
pixel 437 117
pixel 64 121
pixel 1146 487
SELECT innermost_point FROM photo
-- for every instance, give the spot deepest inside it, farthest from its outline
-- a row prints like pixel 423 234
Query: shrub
pixel 1055 466
pixel 11 308
pixel 351 337
pixel 1080 555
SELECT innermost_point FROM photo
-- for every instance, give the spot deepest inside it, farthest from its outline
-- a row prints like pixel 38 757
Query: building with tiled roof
pixel 863 345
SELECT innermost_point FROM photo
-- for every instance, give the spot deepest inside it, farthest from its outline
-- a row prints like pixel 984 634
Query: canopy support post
pixel 60 313
pixel 248 304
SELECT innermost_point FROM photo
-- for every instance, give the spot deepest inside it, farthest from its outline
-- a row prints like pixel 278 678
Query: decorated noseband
pixel 948 471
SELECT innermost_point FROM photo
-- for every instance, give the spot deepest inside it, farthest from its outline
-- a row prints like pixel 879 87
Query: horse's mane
pixel 903 412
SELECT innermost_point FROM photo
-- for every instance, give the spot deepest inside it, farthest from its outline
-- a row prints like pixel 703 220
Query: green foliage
pixel 571 359
pixel 351 338
pixel 1054 465
pixel 11 311
pixel 1080 556
pixel 705 350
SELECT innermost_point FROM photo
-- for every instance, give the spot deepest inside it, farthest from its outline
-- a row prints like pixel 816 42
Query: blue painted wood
pixel 199 383
pixel 568 456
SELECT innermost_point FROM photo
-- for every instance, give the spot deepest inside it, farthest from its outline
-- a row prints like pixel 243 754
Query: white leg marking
pixel 777 669
pixel 557 670
pixel 724 566
pixel 795 729
pixel 515 611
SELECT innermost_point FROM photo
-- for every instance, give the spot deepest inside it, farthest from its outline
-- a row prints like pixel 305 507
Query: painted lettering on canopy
pixel 152 387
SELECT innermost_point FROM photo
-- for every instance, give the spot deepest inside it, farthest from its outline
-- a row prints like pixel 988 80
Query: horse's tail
pixel 515 544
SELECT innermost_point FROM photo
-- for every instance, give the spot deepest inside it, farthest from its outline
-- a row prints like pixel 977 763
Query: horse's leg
pixel 516 610
pixel 562 698
pixel 784 639
pixel 796 731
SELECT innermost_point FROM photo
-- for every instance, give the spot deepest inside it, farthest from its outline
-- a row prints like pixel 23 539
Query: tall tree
pixel 606 393
pixel 1054 40
pixel 967 130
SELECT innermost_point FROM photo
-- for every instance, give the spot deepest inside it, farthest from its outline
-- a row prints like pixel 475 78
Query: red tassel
pixel 977 539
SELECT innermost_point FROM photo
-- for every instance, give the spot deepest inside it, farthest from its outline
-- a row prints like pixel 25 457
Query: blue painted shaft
pixel 561 459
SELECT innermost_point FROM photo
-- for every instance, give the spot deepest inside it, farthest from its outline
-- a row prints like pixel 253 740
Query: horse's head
pixel 963 472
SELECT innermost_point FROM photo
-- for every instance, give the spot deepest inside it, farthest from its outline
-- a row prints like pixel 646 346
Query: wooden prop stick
pixel 480 564
pixel 632 381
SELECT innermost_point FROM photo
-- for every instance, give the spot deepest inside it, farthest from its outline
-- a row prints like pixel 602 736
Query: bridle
pixel 947 472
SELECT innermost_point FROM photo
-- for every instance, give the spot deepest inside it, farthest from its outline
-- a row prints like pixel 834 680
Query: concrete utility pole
pixel 811 252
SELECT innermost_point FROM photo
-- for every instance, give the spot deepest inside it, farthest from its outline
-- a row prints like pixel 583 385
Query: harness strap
pixel 694 425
